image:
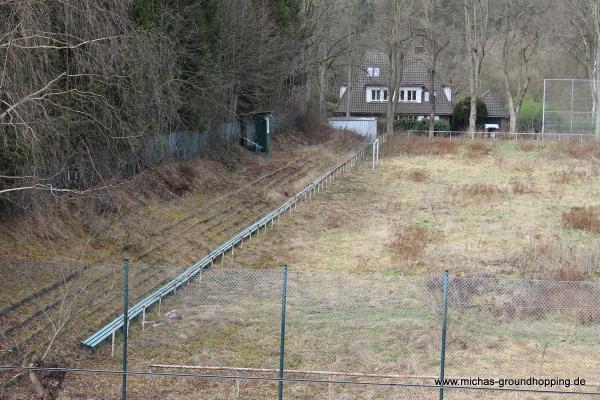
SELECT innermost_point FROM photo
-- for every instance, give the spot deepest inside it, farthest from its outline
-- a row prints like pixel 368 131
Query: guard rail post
pixel 444 325
pixel 125 328
pixel 282 331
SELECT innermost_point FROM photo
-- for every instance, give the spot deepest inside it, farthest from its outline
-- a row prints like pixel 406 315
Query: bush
pixel 462 110
pixel 409 124
pixel 530 116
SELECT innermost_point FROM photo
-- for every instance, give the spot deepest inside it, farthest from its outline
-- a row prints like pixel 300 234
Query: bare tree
pixel 436 39
pixel 478 40
pixel 520 39
pixel 326 40
pixel 397 37
pixel 583 41
pixel 71 81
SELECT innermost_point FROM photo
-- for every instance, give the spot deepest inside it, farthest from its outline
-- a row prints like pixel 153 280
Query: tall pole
pixel 572 100
pixel 125 328
pixel 282 331
pixel 444 320
pixel 544 111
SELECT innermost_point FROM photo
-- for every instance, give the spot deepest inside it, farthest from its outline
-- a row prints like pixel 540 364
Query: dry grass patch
pixel 475 192
pixel 559 259
pixel 418 175
pixel 478 149
pixel 410 242
pixel 583 218
pixel 575 149
pixel 419 146
pixel 568 176
pixel 520 187
pixel 527 146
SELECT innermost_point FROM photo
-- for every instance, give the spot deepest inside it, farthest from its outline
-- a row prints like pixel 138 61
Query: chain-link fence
pixel 228 333
pixel 569 107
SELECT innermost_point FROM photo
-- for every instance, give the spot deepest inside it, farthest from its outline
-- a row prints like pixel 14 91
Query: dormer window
pixel 373 72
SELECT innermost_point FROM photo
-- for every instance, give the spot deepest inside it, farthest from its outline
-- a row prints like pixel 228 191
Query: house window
pixel 426 97
pixel 373 72
pixel 377 94
pixel 410 95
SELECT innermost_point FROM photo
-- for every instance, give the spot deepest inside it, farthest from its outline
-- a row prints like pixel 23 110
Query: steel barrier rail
pixel 140 307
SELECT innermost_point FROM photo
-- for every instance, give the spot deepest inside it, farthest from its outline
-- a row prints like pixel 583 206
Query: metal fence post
pixel 282 331
pixel 444 321
pixel 125 328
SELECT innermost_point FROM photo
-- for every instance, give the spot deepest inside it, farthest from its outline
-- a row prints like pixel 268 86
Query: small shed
pixel 364 126
pixel 256 130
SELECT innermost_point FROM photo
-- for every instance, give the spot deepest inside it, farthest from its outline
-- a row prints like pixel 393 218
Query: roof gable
pixel 494 105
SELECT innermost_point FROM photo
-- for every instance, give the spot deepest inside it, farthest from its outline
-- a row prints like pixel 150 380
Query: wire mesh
pixel 516 329
pixel 360 336
pixel 569 106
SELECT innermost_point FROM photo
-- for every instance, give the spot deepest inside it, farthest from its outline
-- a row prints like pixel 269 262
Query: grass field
pixel 499 211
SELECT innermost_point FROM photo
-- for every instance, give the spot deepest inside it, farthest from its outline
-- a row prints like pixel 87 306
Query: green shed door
pixel 262 133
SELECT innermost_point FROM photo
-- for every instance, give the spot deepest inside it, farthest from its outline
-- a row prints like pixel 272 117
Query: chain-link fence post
pixel 443 349
pixel 125 327
pixel 282 330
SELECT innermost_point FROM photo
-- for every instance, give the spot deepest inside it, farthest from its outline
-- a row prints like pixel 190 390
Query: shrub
pixel 582 218
pixel 409 124
pixel 530 116
pixel 462 110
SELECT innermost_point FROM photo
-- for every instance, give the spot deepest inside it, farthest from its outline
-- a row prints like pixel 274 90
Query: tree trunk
pixel 597 110
pixel 322 86
pixel 473 112
pixel 432 98
pixel 390 117
pixel 596 94
pixel 396 72
pixel 511 103
pixel 349 86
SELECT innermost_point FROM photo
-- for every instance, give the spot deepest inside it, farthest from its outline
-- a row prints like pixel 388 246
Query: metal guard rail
pixel 189 273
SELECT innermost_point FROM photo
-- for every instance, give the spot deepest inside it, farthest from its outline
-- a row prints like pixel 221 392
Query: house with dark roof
pixel 497 119
pixel 369 94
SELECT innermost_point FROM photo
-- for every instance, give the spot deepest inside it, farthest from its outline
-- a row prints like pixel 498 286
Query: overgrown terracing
pixel 163 220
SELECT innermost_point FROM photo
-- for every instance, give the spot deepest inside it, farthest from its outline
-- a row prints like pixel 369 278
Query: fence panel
pixel 569 106
pixel 519 329
pixel 365 336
